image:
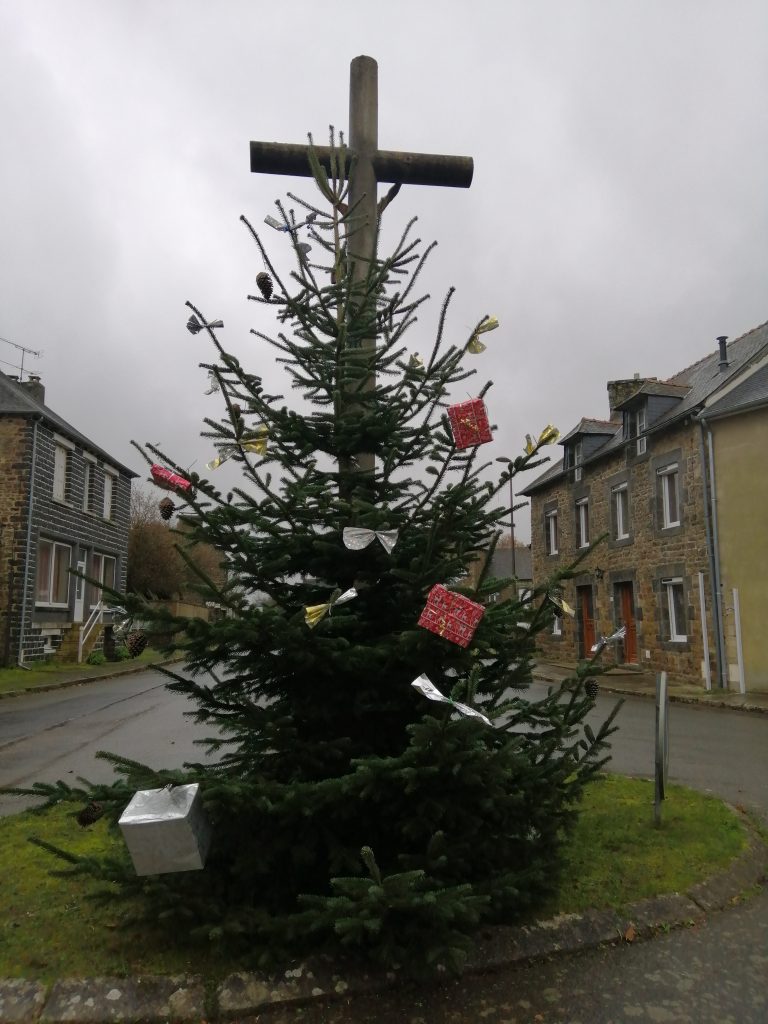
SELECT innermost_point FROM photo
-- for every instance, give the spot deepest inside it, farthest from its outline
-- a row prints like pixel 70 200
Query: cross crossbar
pixel 388 165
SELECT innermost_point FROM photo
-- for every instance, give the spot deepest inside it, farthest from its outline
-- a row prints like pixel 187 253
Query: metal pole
pixel 739 648
pixel 512 523
pixel 364 141
pixel 704 634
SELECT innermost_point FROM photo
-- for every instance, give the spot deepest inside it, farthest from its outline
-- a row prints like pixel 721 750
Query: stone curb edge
pixel 183 999
pixel 675 698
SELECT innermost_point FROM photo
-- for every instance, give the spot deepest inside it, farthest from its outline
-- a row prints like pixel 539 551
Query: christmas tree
pixel 376 784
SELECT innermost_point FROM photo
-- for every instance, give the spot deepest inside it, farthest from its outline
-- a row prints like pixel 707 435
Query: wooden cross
pixel 371 166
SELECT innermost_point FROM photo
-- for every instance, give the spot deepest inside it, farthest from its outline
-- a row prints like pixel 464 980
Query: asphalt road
pixel 55 735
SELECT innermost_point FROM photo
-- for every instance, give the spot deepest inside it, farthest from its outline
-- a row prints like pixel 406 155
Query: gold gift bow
pixel 474 345
pixel 257 445
pixel 313 613
pixel 549 435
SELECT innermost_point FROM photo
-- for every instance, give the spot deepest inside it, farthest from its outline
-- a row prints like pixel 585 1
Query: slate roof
pixel 17 401
pixel 751 393
pixel 501 564
pixel 696 383
pixel 590 426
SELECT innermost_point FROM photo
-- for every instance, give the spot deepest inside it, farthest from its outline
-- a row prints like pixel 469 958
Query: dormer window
pixel 578 460
pixel 635 425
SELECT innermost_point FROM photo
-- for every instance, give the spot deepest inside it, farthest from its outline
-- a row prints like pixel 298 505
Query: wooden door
pixel 626 611
pixel 586 621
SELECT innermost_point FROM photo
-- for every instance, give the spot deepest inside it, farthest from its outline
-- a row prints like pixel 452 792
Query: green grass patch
pixel 51 927
pixel 617 856
pixel 40 675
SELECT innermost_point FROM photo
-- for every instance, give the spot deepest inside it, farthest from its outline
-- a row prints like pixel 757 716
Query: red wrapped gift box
pixel 469 423
pixel 169 481
pixel 451 615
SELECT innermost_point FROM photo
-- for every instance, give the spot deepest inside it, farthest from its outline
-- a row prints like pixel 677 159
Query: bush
pixel 97 658
pixel 122 653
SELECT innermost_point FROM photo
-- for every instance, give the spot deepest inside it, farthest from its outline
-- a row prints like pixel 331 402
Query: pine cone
pixel 89 814
pixel 591 688
pixel 136 642
pixel 264 283
pixel 167 508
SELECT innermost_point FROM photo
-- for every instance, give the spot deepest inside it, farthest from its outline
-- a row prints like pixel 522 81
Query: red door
pixel 626 603
pixel 586 621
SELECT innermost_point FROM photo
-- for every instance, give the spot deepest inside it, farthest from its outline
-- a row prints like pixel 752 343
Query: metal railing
pixel 94 619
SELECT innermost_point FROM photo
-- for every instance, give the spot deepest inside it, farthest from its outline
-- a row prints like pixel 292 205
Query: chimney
pixel 620 390
pixel 35 387
pixel 723 352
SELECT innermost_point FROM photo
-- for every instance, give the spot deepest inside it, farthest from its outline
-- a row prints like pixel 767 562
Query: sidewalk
pixel 637 683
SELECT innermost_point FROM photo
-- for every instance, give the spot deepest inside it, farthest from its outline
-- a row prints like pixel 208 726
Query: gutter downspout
pixel 25 573
pixel 710 527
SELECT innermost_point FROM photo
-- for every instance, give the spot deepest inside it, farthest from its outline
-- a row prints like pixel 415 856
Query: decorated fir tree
pixel 380 780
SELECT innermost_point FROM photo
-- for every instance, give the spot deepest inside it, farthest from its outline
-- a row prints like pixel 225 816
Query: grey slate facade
pixel 64 505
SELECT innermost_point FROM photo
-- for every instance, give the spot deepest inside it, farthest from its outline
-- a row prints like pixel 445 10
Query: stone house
pixel 64 505
pixel 640 483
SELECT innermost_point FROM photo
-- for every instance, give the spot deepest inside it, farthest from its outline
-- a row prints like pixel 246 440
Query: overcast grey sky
pixel 617 221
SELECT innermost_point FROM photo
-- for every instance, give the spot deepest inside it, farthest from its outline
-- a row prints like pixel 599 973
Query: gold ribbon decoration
pixel 415 362
pixel 549 435
pixel 358 537
pixel 559 602
pixel 474 345
pixel 313 613
pixel 256 443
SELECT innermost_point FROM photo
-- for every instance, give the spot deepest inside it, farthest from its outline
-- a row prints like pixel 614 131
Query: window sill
pixel 51 605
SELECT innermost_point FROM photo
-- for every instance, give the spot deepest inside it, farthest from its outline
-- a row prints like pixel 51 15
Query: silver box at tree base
pixel 166 830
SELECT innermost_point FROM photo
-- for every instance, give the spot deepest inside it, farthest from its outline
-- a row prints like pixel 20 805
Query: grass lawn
pixel 51 928
pixel 28 679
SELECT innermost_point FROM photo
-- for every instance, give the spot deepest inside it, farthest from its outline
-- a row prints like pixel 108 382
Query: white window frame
pixel 640 428
pixel 622 526
pixel 557 625
pixel 578 460
pixel 110 486
pixel 669 586
pixel 55 547
pixel 95 592
pixel 582 521
pixel 551 532
pixel 60 470
pixel 669 479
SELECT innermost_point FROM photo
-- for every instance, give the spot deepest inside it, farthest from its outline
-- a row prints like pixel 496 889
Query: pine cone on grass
pixel 89 814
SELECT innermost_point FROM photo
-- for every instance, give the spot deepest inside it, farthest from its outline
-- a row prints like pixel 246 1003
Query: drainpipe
pixel 710 526
pixel 25 572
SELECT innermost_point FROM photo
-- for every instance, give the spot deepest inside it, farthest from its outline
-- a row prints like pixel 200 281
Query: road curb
pixel 182 999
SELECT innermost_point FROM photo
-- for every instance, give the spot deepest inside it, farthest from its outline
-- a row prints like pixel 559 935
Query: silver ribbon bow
pixel 605 640
pixel 424 685
pixel 194 326
pixel 358 537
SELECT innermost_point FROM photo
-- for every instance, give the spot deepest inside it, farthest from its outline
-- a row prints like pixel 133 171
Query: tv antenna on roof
pixel 24 351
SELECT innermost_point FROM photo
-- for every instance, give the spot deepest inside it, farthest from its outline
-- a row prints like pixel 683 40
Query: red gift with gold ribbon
pixel 469 423
pixel 451 616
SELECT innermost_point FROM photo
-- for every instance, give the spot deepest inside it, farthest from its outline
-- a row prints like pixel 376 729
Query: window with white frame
pixel 640 425
pixel 88 474
pixel 578 459
pixel 60 470
pixel 109 494
pixel 557 625
pixel 670 496
pixel 550 532
pixel 673 597
pixel 582 523
pixel 101 568
pixel 53 561
pixel 620 509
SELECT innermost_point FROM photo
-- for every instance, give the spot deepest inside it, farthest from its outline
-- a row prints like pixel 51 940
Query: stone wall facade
pixel 15 465
pixel 648 579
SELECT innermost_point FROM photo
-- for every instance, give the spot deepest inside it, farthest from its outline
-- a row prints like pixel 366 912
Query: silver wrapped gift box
pixel 166 830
